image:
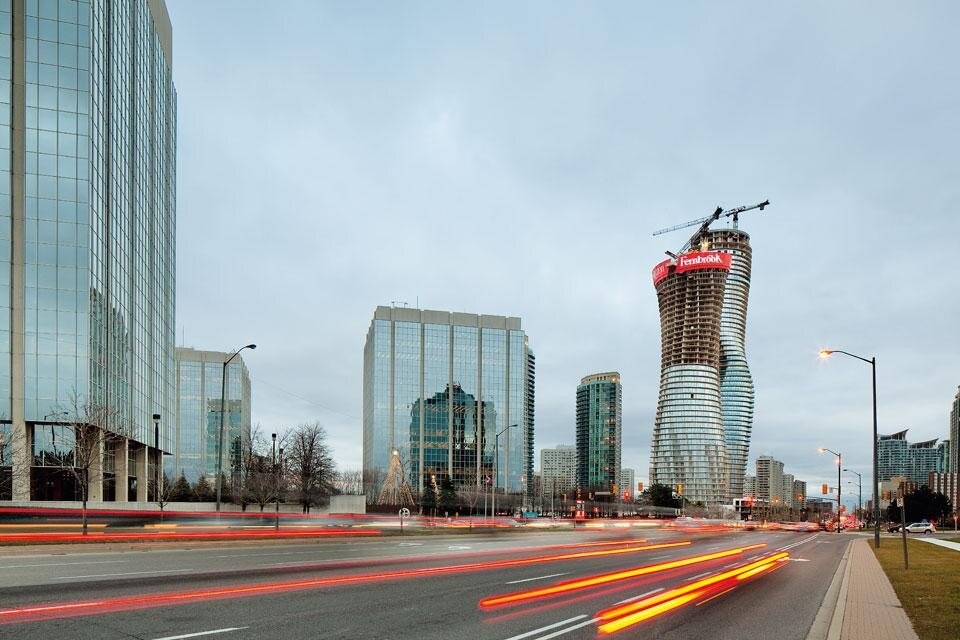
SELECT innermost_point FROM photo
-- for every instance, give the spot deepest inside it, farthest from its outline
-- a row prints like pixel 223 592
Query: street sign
pixel 404 513
pixel 900 501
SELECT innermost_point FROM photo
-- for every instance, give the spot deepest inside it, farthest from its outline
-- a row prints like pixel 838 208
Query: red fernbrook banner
pixel 691 262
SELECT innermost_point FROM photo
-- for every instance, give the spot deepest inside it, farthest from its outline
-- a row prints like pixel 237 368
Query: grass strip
pixel 930 590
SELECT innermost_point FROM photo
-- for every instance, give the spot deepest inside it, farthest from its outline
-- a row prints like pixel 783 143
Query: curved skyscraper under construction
pixel 701 434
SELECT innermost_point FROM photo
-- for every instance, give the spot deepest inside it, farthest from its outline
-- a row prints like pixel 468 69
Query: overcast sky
pixel 514 158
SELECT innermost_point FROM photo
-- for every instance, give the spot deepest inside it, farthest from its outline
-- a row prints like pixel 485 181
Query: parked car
pixel 894 528
pixel 921 527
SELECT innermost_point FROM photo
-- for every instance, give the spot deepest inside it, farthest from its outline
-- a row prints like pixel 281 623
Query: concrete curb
pixel 834 601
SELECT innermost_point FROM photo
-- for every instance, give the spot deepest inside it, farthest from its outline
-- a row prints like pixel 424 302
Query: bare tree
pixel 260 474
pixel 349 482
pixel 163 491
pixel 91 430
pixel 310 464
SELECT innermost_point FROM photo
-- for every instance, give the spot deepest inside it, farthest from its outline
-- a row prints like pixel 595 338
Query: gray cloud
pixel 514 160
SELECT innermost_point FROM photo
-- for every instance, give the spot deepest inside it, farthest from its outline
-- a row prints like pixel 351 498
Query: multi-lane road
pixel 509 586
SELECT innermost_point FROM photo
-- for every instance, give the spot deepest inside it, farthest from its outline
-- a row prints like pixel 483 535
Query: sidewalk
pixel 867 607
pixel 941 543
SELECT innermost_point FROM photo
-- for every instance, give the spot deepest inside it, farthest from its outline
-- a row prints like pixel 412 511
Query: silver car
pixel 921 527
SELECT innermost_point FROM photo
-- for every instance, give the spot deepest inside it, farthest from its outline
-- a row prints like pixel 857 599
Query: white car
pixel 921 527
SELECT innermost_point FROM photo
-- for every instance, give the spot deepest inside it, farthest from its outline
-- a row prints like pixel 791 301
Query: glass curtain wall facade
pixel 702 430
pixel 599 432
pixel 87 229
pixel 196 437
pixel 953 466
pixel 736 384
pixel 438 388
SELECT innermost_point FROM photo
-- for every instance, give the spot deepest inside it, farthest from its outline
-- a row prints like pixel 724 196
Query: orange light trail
pixel 162 599
pixel 593 581
pixel 623 616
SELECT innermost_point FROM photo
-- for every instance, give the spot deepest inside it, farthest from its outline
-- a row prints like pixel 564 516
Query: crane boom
pixel 719 213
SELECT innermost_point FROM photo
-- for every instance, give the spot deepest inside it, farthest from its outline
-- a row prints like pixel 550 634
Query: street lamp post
pixel 496 467
pixel 839 465
pixel 156 446
pixel 859 491
pixel 223 412
pixel 825 353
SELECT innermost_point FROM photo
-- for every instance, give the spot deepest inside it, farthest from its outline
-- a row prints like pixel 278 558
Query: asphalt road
pixel 418 587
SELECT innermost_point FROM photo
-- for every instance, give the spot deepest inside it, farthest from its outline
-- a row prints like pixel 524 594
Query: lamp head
pixel 250 346
pixel 825 353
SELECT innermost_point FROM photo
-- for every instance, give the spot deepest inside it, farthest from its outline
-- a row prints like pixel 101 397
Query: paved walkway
pixel 940 543
pixel 868 607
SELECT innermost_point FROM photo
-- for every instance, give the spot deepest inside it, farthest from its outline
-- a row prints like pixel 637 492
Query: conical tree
pixel 396 491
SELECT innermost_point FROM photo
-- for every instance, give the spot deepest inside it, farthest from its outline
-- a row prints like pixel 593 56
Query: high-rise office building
pixel 701 434
pixel 558 469
pixel 599 431
pixel 195 440
pixel 451 393
pixel 87 225
pixel 943 457
pixel 769 482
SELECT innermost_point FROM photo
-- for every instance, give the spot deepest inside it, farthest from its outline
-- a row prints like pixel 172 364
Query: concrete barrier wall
pixel 338 504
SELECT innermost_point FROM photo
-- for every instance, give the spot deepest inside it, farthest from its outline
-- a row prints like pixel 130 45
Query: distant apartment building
pixel 599 431
pixel 954 431
pixel 898 457
pixel 948 484
pixel 799 494
pixel 628 483
pixel 452 394
pixel 943 457
pixel 787 499
pixel 749 486
pixel 193 450
pixel 558 470
pixel 769 482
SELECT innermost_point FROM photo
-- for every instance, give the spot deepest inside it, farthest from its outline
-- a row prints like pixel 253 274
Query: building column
pixel 22 454
pixel 120 470
pixel 95 474
pixel 141 471
pixel 22 458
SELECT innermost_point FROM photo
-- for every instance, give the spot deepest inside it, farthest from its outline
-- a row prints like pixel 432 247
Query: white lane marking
pixel 459 547
pixel 699 575
pixel 666 555
pixel 548 627
pixel 797 544
pixel 411 544
pixel 201 633
pixel 642 595
pixel 552 575
pixel 798 559
pixel 568 629
pixel 61 564
pixel 113 575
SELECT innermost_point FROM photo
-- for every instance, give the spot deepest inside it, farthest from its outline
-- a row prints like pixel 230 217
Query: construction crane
pixel 706 222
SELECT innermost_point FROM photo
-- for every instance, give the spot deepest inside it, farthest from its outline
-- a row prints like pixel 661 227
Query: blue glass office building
pixel 438 387
pixel 87 233
pixel 193 445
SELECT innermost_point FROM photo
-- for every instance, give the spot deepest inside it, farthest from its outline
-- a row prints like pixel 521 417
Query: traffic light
pixel 679 489
pixel 824 488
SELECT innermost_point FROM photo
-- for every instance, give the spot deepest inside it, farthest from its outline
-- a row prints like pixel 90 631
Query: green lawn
pixel 930 590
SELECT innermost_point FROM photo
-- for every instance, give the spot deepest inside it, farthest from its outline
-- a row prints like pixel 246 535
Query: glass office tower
pixel 438 387
pixel 193 447
pixel 87 234
pixel 599 432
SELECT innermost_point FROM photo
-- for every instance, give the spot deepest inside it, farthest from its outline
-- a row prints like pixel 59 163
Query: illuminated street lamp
pixel 223 413
pixel 859 491
pixel 839 464
pixel 826 353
